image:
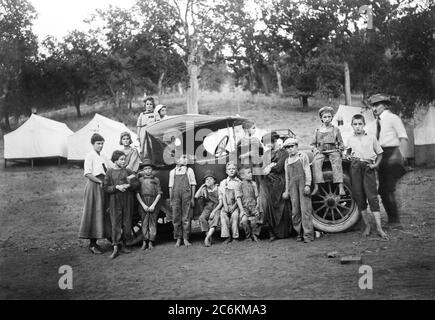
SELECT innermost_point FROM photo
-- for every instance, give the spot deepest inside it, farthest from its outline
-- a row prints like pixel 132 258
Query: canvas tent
pixel 38 137
pixel 79 143
pixel 346 113
pixel 424 139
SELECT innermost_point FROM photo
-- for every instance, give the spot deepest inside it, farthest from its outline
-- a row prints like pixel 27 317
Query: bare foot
pixel 207 242
pixel 144 245
pixel 150 245
pixel 315 190
pixel 115 252
pixel 383 235
pixel 366 232
pixel 255 238
pixel 341 190
pixel 178 243
pixel 187 243
pixel 123 249
pixel 227 240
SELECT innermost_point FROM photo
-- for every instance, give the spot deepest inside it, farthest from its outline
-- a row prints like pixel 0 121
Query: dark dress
pixel 275 209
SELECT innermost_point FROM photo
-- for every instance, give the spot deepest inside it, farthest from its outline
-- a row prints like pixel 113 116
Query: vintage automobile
pixel 210 142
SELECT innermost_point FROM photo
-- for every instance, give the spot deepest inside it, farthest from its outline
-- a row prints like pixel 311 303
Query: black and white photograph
pixel 229 153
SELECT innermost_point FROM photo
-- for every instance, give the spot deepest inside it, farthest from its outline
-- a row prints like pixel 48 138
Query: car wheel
pixel 332 212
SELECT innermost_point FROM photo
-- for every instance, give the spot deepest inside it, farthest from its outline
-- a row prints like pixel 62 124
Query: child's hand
pixel 145 207
pixel 285 195
pixel 120 188
pixel 307 190
pixel 212 215
pixel 151 208
pixel 372 166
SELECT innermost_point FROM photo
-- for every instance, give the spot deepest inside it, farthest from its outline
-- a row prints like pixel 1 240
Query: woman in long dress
pixel 276 210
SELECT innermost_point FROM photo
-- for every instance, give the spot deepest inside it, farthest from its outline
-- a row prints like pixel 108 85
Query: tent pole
pixel 31 162
pixel 6 162
pixel 58 161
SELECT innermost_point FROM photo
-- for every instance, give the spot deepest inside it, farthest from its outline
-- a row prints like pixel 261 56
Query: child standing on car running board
pixel 297 188
pixel 366 157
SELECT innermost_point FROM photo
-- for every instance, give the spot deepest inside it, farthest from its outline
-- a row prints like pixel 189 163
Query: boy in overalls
pixel 297 186
pixel 250 219
pixel 148 196
pixel 182 186
pixel 210 216
pixel 230 212
pixel 327 142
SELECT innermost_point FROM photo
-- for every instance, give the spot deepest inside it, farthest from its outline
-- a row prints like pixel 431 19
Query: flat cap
pixel 290 141
pixel 326 109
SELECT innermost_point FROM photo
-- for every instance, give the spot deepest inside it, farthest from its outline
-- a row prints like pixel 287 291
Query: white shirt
pixel 364 146
pixel 392 129
pixel 228 183
pixel 94 163
pixel 180 171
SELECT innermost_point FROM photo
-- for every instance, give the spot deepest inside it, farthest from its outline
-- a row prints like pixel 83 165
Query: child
pixel 210 217
pixel 366 157
pixel 182 186
pixel 160 112
pixel 327 142
pixel 132 155
pixel 230 212
pixel 148 196
pixel 249 213
pixel 118 183
pixel 93 224
pixel 145 118
pixel 250 148
pixel 297 187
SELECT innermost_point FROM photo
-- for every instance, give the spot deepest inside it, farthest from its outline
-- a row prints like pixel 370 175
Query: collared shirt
pixel 392 129
pixel 95 163
pixel 228 183
pixel 206 191
pixel 364 146
pixel 180 171
pixel 302 156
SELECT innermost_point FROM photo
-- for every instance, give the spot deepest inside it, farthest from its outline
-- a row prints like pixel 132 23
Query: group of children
pixel 233 203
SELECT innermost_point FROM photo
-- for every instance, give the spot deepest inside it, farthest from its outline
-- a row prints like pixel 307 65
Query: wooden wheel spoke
pixel 323 189
pixel 333 216
pixel 342 206
pixel 326 212
pixel 317 210
pixel 318 201
pixel 339 212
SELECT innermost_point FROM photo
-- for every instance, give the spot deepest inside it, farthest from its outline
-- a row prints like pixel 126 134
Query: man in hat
pixel 297 188
pixel 391 134
pixel 210 216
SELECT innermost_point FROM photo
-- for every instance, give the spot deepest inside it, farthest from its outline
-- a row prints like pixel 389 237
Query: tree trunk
pixel 305 105
pixel 347 94
pixel 253 79
pixel 193 88
pixel 265 84
pixel 180 88
pixel 278 79
pixel 160 83
pixel 77 99
pixel 7 123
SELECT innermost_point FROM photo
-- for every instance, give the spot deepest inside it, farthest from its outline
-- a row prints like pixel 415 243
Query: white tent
pixel 38 137
pixel 346 113
pixel 424 139
pixel 79 143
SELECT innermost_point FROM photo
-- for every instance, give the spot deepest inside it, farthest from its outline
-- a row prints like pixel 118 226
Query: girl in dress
pixel 132 158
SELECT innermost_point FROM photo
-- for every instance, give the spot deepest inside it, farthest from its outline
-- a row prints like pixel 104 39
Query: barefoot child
pixel 182 186
pixel 132 159
pixel 210 217
pixel 119 184
pixel 93 223
pixel 148 196
pixel 230 213
pixel 249 213
pixel 366 157
pixel 297 182
pixel 327 142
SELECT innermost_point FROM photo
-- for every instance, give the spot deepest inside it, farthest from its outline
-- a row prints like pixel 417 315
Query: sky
pixel 58 17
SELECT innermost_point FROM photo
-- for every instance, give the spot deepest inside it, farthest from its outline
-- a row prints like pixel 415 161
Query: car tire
pixel 332 213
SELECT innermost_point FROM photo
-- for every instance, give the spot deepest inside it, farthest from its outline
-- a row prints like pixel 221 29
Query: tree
pixel 18 46
pixel 193 27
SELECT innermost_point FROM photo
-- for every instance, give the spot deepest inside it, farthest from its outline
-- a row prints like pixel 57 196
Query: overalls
pixel 302 211
pixel 327 141
pixel 232 221
pixel 148 193
pixel 182 195
pixel 249 221
pixel 211 201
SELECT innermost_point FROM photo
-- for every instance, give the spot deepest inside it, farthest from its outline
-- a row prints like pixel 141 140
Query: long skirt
pixel 95 222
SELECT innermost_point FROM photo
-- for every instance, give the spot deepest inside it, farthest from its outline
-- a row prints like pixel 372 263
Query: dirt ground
pixel 40 211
